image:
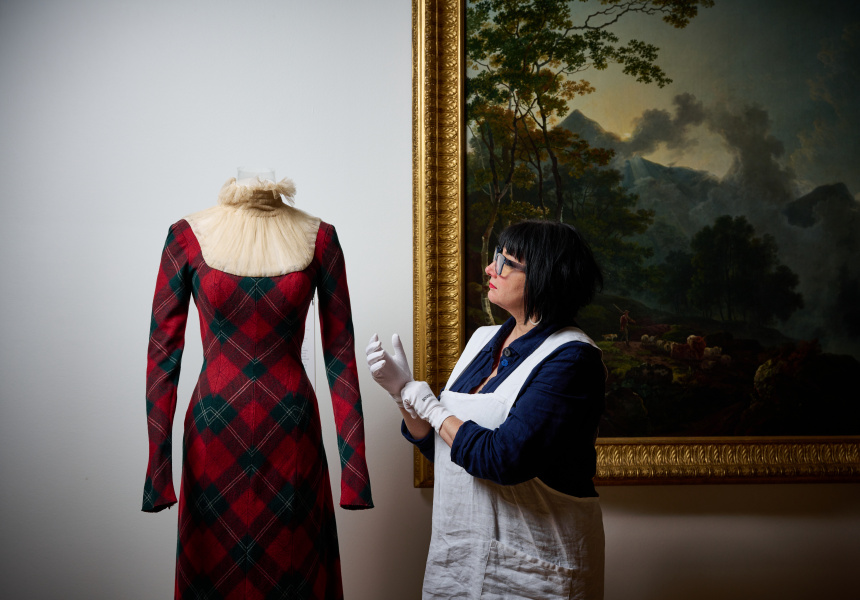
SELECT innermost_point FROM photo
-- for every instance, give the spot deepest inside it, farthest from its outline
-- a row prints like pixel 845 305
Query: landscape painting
pixel 710 153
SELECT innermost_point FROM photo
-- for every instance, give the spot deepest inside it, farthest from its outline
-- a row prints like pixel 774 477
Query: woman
pixel 515 512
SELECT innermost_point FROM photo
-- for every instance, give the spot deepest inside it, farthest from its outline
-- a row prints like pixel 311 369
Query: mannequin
pixel 256 516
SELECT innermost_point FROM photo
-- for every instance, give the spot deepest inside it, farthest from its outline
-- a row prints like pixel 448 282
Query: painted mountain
pixel 760 334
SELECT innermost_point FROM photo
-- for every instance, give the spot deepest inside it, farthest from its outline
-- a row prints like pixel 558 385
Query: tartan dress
pixel 256 518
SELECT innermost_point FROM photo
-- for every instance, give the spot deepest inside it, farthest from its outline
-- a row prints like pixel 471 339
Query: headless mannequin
pixel 256 498
pixel 254 231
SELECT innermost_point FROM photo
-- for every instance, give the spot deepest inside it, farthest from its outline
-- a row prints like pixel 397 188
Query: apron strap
pixel 476 343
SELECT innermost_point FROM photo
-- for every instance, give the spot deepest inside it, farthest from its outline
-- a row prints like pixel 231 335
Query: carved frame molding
pixel 437 158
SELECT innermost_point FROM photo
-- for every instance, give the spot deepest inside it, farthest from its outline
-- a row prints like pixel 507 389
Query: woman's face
pixel 508 289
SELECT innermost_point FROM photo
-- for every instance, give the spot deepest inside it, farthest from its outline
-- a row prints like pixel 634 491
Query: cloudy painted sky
pixel 795 60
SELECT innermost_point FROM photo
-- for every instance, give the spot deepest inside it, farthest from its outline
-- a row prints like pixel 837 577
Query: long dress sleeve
pixel 164 357
pixel 338 342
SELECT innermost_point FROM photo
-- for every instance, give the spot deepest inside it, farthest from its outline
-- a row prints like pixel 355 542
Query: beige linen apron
pixel 491 541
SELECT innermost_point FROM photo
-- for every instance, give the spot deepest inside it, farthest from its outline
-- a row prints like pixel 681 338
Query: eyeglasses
pixel 501 260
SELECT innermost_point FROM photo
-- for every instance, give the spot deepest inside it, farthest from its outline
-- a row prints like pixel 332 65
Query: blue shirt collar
pixel 522 346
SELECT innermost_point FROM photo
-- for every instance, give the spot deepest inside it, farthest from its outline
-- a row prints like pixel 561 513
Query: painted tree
pixel 737 275
pixel 523 60
pixel 675 275
pixel 607 216
pixel 494 170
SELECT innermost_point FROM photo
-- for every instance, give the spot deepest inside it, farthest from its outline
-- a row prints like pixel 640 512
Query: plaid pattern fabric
pixel 256 518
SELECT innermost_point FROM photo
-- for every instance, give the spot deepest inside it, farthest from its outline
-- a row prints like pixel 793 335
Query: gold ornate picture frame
pixel 439 327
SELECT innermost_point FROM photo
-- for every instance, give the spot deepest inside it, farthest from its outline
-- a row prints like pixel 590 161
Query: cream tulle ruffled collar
pixel 259 195
pixel 252 232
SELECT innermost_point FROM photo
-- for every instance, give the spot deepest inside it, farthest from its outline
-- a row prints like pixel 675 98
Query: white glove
pixel 390 372
pixel 418 399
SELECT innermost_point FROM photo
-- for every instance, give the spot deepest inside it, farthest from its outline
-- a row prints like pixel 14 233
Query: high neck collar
pixel 264 196
pixel 251 232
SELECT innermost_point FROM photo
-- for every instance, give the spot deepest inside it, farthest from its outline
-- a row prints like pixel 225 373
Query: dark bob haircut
pixel 561 273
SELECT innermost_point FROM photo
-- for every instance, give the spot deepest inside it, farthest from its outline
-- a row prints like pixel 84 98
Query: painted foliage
pixel 708 151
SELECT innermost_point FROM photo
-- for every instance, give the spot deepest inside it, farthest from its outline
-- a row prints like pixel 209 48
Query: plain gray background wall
pixel 119 118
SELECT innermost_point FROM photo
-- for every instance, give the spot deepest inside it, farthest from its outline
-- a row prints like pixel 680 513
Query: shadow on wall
pixel 715 542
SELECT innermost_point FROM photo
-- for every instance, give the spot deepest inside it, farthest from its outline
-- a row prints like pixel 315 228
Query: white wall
pixel 117 119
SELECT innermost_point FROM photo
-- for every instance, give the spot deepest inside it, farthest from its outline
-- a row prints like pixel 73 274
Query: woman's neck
pixel 521 327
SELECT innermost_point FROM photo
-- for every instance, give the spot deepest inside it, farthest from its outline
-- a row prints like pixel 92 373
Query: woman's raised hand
pixel 392 373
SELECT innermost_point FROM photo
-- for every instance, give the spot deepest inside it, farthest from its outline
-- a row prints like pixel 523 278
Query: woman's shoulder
pixel 582 349
pixel 570 367
pixel 576 352
pixel 572 340
pixel 487 331
pixel 483 336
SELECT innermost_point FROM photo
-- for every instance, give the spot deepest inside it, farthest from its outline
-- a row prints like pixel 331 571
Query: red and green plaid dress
pixel 256 518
